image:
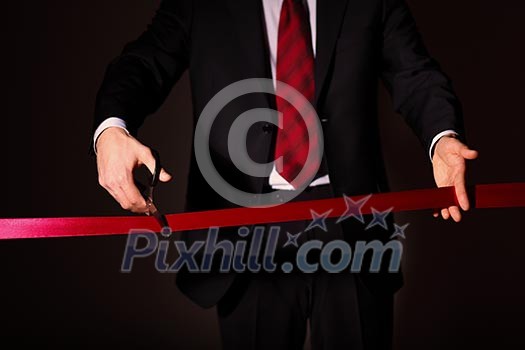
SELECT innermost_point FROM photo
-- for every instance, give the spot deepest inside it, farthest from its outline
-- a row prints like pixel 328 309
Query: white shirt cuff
pixel 436 139
pixel 108 123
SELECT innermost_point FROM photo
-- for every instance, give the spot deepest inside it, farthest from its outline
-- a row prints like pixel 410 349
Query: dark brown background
pixel 464 282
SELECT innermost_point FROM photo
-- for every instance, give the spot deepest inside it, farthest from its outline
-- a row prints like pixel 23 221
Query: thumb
pixel 468 153
pixel 164 176
pixel 149 161
pixel 146 158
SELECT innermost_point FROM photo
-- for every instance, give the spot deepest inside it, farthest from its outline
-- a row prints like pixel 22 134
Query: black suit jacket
pixel 358 43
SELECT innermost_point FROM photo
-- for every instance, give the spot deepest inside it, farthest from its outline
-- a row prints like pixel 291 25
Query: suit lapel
pixel 329 16
pixel 253 61
pixel 248 18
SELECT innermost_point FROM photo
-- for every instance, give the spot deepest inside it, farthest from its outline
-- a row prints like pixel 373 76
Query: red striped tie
pixel 295 67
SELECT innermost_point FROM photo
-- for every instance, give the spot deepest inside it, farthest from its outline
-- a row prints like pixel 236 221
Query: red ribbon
pixel 485 196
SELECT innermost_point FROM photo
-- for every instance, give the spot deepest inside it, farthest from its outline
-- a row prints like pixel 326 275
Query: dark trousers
pixel 272 310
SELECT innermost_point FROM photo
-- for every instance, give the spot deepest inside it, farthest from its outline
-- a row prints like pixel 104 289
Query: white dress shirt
pixel 272 11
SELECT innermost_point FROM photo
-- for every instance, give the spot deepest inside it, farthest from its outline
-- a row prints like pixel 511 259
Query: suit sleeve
pixel 420 91
pixel 138 81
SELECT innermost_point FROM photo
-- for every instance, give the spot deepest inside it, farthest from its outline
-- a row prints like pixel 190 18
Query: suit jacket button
pixel 267 127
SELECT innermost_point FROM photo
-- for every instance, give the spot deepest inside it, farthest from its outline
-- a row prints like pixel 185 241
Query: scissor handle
pixel 156 173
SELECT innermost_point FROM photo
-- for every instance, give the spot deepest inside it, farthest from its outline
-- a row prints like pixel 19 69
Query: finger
pixel 445 214
pixel 137 203
pixel 461 191
pixel 115 192
pixel 468 153
pixel 435 214
pixel 455 213
pixel 116 196
pixel 149 161
pixel 120 197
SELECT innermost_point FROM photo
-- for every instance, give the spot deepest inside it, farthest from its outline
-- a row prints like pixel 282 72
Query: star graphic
pixel 379 218
pixel 292 239
pixel 318 220
pixel 399 231
pixel 353 209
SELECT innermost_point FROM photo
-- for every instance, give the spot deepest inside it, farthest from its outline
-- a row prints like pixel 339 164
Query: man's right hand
pixel 118 154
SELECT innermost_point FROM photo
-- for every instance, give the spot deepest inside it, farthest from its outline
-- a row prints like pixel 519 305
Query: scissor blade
pixel 161 218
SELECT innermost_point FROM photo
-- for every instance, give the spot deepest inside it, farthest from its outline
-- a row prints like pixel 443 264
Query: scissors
pixel 147 192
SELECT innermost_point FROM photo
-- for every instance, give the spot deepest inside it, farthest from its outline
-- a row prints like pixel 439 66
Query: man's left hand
pixel 449 170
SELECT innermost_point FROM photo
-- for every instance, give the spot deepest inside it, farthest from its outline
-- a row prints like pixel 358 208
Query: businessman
pixel 333 52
